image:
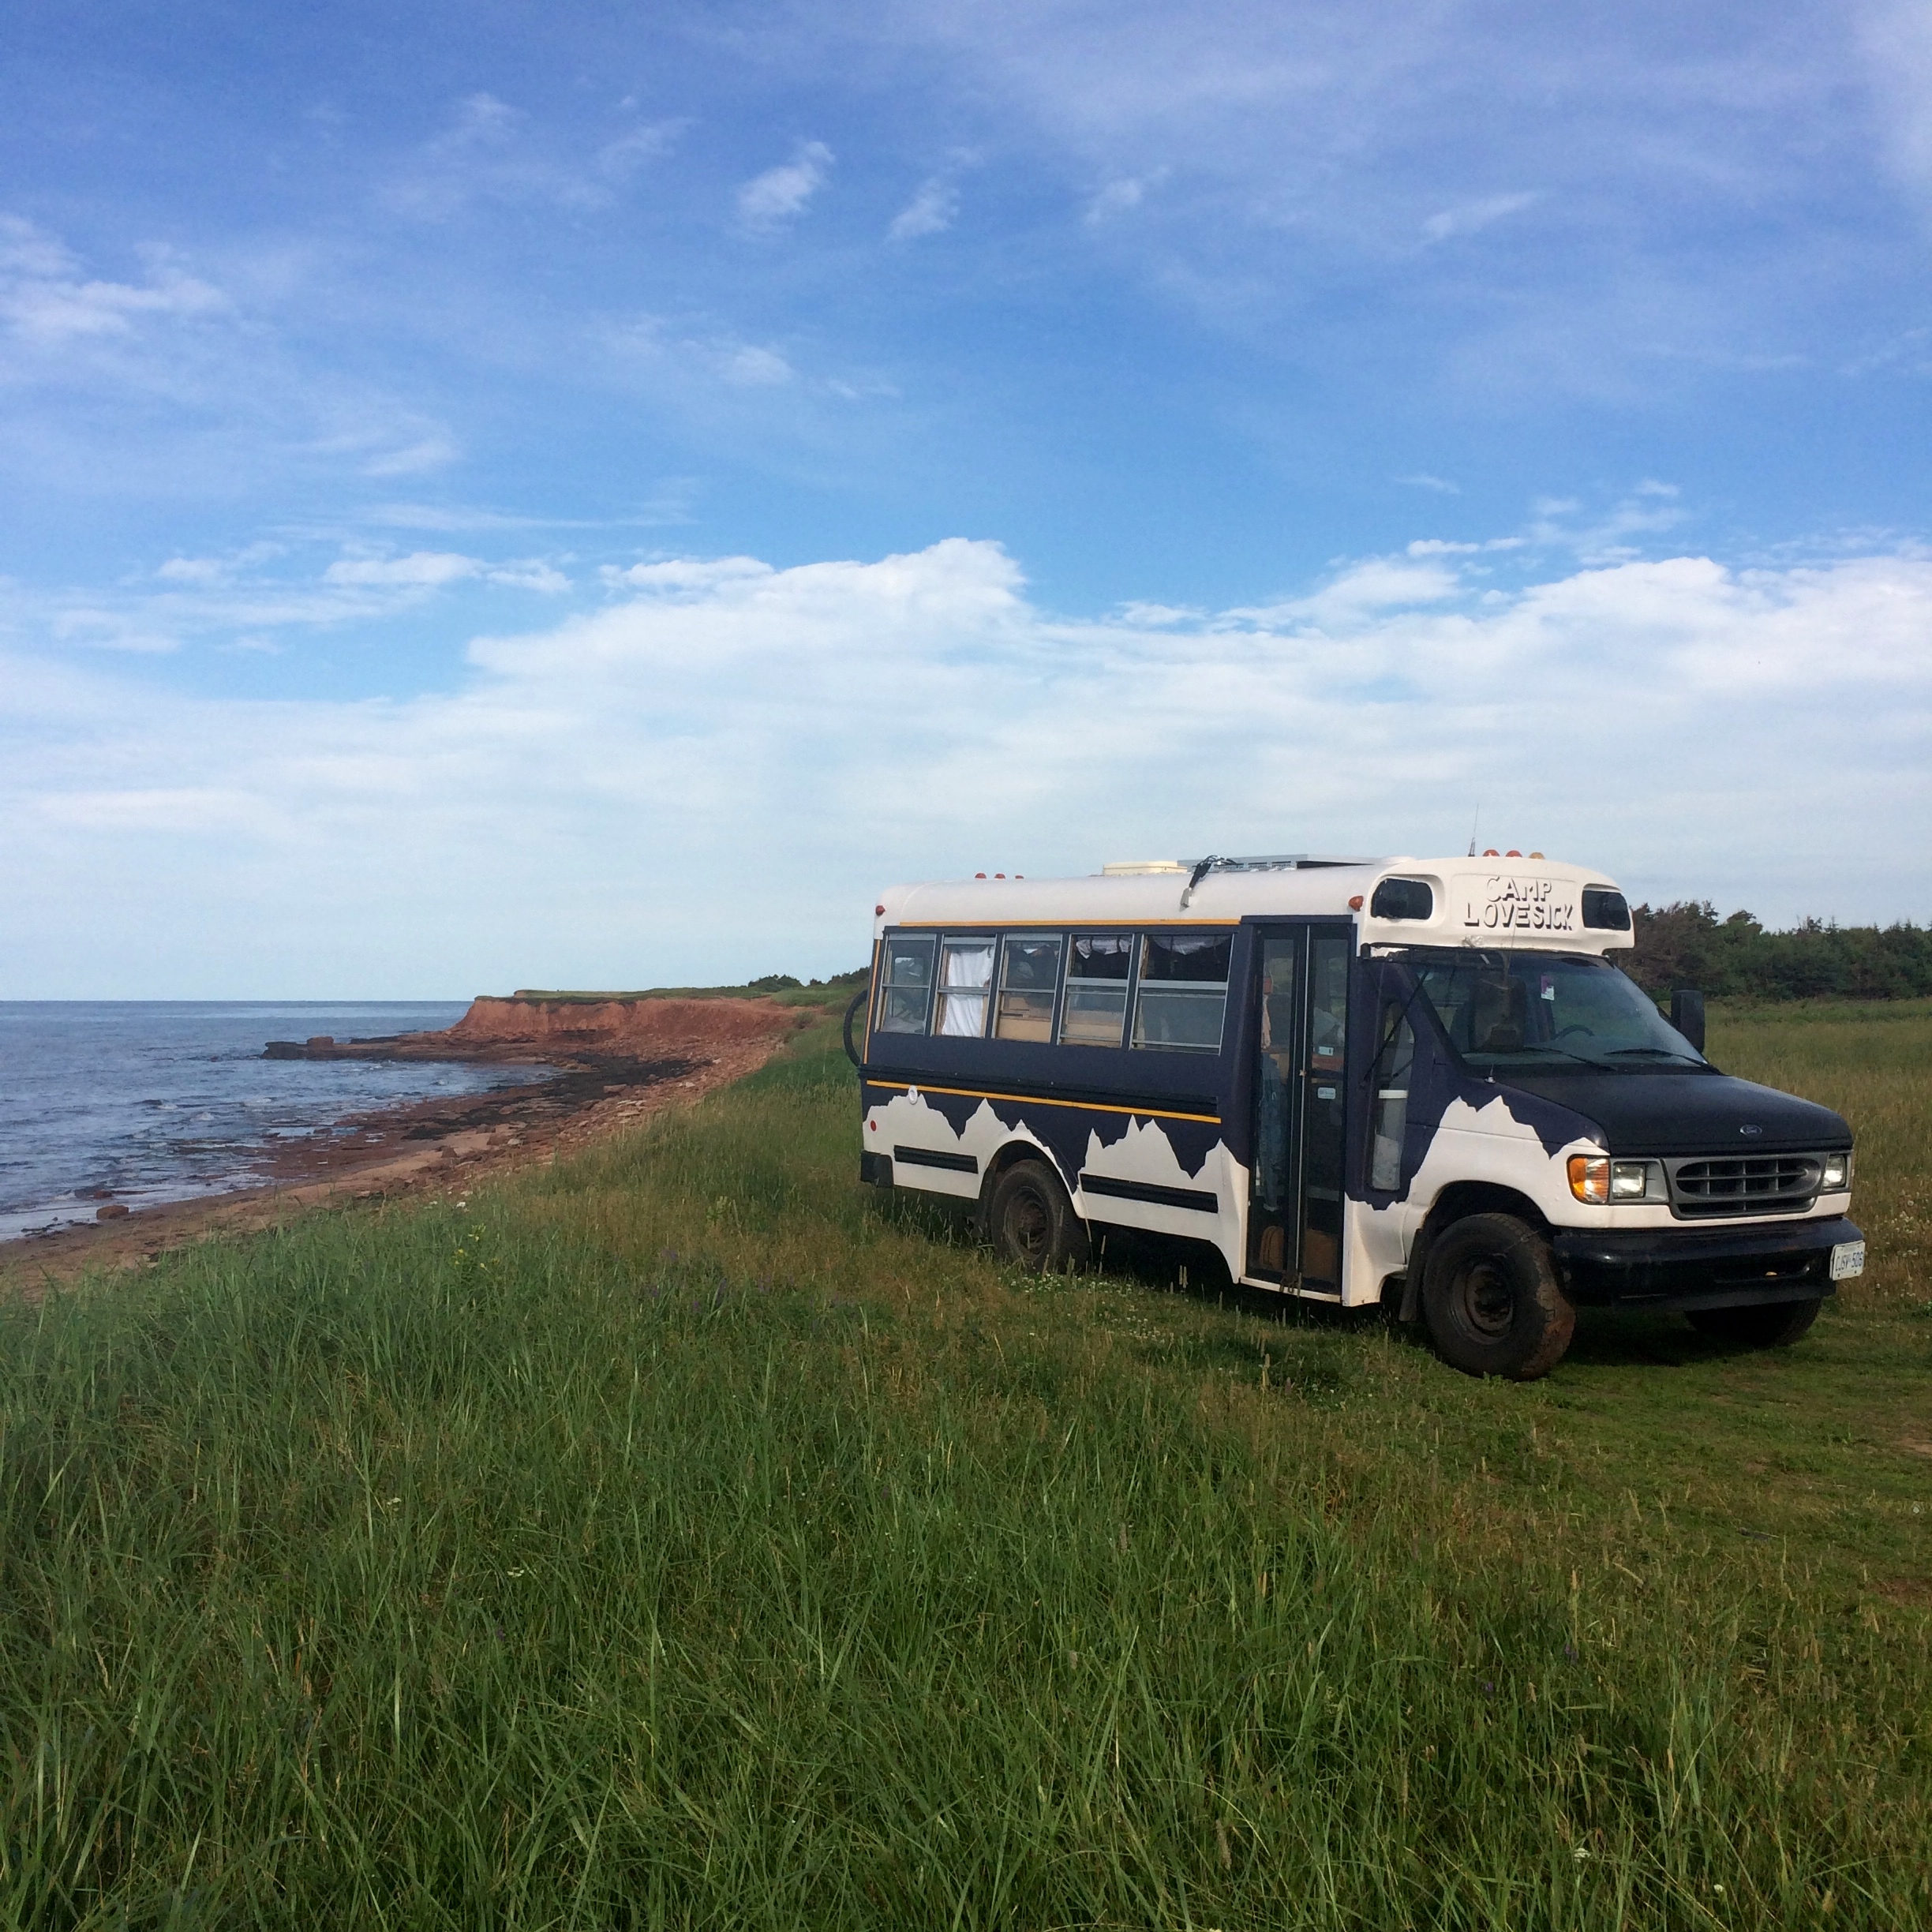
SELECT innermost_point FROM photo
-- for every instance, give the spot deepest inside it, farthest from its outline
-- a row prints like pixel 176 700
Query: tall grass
pixel 1872 1061
pixel 686 1537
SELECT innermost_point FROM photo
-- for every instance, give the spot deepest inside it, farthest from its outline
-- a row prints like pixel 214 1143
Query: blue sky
pixel 498 495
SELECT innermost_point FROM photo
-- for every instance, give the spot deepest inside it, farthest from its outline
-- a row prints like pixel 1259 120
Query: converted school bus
pixel 1419 1081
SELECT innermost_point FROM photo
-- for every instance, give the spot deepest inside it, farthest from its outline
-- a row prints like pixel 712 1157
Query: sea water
pixel 145 1101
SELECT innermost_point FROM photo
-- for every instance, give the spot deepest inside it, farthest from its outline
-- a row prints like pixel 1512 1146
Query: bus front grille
pixel 1743 1184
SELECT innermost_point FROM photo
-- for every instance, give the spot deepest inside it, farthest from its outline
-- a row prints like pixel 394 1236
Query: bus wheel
pixel 1492 1299
pixel 1031 1221
pixel 1777 1324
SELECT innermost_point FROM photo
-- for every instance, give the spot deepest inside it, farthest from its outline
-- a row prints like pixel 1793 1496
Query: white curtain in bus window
pixel 906 990
pixel 1183 991
pixel 965 973
pixel 1096 1013
pixel 1029 977
pixel 1392 1097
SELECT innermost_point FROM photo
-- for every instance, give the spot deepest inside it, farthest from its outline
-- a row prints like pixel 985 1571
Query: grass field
pixel 685 1536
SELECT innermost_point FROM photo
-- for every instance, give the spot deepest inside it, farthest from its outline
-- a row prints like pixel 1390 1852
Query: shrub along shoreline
pixel 686 1535
pixel 1686 945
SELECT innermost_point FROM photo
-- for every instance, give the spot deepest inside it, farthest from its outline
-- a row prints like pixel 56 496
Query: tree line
pixel 1687 945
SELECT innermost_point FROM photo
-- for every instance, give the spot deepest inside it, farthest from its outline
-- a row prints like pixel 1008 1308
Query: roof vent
pixel 1122 868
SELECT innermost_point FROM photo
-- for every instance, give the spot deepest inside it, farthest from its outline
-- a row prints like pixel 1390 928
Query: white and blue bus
pixel 1416 1081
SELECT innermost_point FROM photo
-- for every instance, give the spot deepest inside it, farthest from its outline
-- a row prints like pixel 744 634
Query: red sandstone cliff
pixel 562 1031
pixel 639 1029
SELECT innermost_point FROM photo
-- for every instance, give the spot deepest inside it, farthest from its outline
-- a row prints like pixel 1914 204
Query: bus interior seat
pixel 1499 1017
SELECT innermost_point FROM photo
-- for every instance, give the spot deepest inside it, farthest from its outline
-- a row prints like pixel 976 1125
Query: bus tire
pixel 1032 1223
pixel 1492 1299
pixel 1775 1324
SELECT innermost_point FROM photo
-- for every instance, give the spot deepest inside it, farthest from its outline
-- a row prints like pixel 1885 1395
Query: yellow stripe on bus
pixel 974 927
pixel 1091 1107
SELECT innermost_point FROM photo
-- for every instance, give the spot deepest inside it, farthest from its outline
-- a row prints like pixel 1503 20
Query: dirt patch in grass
pixel 1915 1592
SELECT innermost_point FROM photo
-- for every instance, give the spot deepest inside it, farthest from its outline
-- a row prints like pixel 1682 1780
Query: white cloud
pixel 1156 616
pixel 1648 511
pixel 193 570
pixel 491 152
pixel 464 517
pixel 531 574
pixel 931 212
pixel 782 193
pixel 1444 546
pixel 730 756
pixel 45 298
pixel 1896 39
pixel 262 597
pixel 1310 146
pixel 1122 195
pixel 1908 350
pixel 112 629
pixel 686 574
pixel 436 451
pixel 420 569
pixel 167 387
pixel 181 809
pixel 1372 585
pixel 1468 217
pixel 619 159
pixel 751 366
pixel 693 358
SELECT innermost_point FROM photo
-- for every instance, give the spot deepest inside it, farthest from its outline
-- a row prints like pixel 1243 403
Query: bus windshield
pixel 1549 1010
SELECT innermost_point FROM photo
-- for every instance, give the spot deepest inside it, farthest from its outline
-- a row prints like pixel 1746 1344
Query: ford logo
pixel 1750 1130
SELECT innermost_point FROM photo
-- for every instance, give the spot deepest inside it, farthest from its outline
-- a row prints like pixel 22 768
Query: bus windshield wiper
pixel 1668 1053
pixel 1498 1053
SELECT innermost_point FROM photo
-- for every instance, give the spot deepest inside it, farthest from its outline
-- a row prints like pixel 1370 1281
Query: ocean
pixel 146 1101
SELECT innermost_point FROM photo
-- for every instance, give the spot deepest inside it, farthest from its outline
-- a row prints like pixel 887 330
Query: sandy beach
pixel 616 1062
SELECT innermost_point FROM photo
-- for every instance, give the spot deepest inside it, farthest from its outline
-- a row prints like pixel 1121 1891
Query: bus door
pixel 1294 1219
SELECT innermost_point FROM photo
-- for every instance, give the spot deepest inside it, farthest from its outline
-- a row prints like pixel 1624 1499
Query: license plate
pixel 1848 1260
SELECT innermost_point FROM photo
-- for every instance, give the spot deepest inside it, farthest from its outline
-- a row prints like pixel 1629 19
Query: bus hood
pixel 1671 1114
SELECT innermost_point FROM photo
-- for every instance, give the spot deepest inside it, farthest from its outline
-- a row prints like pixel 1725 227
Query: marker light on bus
pixel 1596 1179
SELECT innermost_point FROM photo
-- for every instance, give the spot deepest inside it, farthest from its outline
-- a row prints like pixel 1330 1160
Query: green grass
pixel 686 1535
pixel 831 992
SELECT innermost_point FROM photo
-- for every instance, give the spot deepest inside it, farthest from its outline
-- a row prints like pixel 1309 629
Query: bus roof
pixel 1487 901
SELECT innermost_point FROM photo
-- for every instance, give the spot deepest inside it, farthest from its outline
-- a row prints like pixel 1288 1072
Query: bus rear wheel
pixel 1775 1324
pixel 1032 1223
pixel 1493 1301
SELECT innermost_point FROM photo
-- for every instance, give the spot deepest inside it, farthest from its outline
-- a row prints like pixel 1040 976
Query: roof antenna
pixel 1473 823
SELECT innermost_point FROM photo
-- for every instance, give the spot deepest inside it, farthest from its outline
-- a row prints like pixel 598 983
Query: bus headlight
pixel 1837 1173
pixel 1590 1178
pixel 1597 1179
pixel 1630 1180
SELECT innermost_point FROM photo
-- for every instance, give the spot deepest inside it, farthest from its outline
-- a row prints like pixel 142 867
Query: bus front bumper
pixel 1703 1268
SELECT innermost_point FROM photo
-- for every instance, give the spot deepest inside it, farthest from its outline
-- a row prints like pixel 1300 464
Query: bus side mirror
pixel 1687 1015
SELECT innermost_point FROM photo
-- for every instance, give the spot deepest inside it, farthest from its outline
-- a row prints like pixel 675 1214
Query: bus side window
pixel 1183 991
pixel 1029 977
pixel 907 990
pixel 1390 1111
pixel 965 974
pixel 1096 994
pixel 1328 1009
